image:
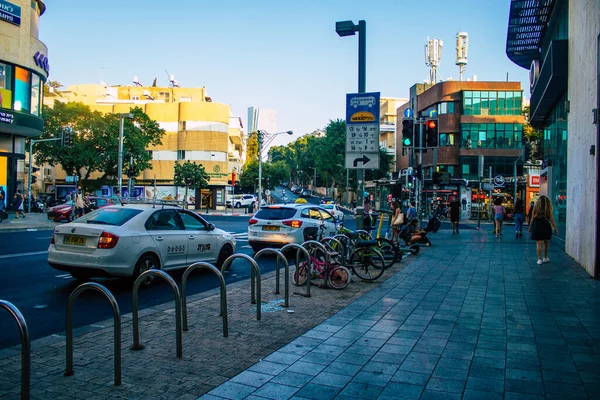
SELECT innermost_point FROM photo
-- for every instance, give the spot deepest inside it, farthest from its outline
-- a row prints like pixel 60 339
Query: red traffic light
pixel 431 124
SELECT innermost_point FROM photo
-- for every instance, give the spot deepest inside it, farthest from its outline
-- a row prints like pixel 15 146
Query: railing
pixel 25 347
pixel 254 279
pixel 301 251
pixel 178 331
pixel 280 256
pixel 117 326
pixel 223 292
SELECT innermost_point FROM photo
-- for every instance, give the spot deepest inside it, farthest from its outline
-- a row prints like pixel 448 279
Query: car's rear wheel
pixel 145 263
pixel 224 254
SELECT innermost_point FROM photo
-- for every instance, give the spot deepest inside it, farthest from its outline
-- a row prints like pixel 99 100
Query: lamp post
pixel 120 160
pixel 261 136
pixel 349 28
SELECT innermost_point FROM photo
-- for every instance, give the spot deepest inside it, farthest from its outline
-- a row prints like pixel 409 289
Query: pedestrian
pixel 397 221
pixel 2 198
pixel 499 211
pixel 541 227
pixel 519 217
pixel 411 213
pixel 530 212
pixel 464 204
pixel 18 204
pixel 454 211
pixel 79 203
pixel 367 209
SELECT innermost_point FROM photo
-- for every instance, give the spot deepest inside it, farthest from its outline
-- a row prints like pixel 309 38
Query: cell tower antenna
pixel 433 57
pixel 462 47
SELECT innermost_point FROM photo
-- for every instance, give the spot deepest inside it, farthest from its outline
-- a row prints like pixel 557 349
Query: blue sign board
pixel 10 13
pixel 432 113
pixel 362 108
pixel 408 113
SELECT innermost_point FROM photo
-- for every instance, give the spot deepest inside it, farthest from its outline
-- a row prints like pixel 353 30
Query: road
pixel 41 292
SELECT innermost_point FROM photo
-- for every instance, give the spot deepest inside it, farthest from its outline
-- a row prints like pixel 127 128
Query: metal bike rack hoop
pixel 25 347
pixel 308 263
pixel 117 326
pixel 342 245
pixel 254 279
pixel 316 245
pixel 286 265
pixel 223 292
pixel 136 331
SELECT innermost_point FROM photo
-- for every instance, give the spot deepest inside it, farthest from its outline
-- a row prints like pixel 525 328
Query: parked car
pixel 305 193
pixel 294 188
pixel 327 200
pixel 126 240
pixel 64 212
pixel 278 225
pixel 334 210
pixel 241 200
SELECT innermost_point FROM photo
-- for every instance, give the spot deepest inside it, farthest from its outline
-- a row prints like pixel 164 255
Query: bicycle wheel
pixel 338 277
pixel 367 263
pixel 414 249
pixel 300 274
pixel 389 250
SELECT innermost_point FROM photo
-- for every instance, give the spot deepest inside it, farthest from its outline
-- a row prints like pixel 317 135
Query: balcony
pixel 550 83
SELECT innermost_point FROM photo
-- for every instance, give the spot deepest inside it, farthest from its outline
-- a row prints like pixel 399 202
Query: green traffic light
pixel 407 142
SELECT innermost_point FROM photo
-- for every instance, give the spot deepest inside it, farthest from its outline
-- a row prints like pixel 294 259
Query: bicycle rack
pixel 343 246
pixel 136 331
pixel 317 245
pixel 25 347
pixel 286 286
pixel 117 326
pixel 308 263
pixel 223 292
pixel 254 279
pixel 345 240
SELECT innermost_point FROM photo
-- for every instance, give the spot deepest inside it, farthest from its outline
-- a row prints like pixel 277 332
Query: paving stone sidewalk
pixel 474 317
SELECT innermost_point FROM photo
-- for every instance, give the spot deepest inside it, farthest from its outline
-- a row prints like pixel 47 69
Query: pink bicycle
pixel 335 275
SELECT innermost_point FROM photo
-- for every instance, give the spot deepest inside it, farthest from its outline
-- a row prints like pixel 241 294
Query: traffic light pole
pixel 31 143
pixel 362 88
pixel 422 203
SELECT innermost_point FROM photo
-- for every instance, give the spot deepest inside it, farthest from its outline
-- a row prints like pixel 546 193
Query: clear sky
pixel 278 54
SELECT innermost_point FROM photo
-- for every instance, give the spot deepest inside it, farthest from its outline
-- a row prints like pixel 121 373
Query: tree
pixel 96 140
pixel 274 172
pixel 190 175
pixel 249 176
pixel 51 84
pixel 532 136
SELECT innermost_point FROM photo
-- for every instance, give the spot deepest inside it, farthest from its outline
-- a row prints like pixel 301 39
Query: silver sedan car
pixel 126 240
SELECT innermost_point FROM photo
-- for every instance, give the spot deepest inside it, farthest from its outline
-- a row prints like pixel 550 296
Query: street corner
pixel 33 221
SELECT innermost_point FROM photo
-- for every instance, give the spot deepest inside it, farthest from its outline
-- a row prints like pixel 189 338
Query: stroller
pixel 409 230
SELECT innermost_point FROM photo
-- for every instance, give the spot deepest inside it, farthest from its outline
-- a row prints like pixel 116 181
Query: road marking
pixel 64 276
pixel 40 306
pixel 33 253
pixel 44 238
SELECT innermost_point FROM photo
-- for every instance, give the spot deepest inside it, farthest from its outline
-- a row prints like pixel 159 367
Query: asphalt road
pixel 41 293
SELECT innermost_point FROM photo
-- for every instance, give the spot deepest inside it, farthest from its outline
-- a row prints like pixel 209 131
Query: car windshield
pixel 109 216
pixel 275 213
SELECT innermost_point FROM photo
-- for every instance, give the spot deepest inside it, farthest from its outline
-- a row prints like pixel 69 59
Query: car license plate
pixel 270 228
pixel 74 240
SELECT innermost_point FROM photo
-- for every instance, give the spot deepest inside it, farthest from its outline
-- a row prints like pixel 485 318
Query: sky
pixel 282 55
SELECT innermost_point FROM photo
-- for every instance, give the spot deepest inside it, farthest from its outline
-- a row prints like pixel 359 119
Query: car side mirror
pixel 211 227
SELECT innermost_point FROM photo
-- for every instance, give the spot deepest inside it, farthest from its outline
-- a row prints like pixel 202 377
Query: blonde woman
pixel 541 227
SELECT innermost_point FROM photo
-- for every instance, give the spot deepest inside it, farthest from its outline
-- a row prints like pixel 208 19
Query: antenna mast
pixel 433 57
pixel 462 46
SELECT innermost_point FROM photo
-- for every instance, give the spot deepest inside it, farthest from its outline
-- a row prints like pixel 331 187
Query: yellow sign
pixel 362 116
pixel 5 98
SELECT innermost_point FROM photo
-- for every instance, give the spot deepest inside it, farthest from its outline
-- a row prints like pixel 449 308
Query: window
pixel 163 220
pixel 496 136
pixel 166 96
pixel 447 139
pixel 181 154
pixel 135 97
pixel 5 86
pixel 492 103
pixel 22 89
pixel 191 223
pixel 35 95
pixel 109 216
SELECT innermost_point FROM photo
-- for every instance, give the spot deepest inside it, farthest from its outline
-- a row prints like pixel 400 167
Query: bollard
pixel 223 292
pixel 25 347
pixel 254 279
pixel 279 254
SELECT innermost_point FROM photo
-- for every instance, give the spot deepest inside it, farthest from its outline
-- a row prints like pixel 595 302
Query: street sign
pixel 432 113
pixel 408 113
pixel 71 178
pixel 498 181
pixel 362 130
pixel 488 186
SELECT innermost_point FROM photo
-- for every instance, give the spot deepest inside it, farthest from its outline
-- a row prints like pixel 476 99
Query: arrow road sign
pixel 364 159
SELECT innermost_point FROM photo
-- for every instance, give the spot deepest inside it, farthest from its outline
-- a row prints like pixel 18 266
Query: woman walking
pixel 18 203
pixel 519 217
pixel 541 227
pixel 498 215
pixel 454 211
pixel 395 225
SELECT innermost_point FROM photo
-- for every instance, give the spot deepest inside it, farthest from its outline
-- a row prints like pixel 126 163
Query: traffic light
pixel 33 177
pixel 526 151
pixel 408 132
pixel 432 133
pixel 437 177
pixel 419 171
pixel 132 171
pixel 67 137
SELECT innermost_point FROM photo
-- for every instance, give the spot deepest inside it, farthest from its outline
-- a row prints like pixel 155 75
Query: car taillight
pixel 294 223
pixel 252 221
pixel 52 237
pixel 107 240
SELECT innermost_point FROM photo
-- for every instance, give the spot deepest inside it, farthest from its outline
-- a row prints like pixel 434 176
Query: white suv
pixel 242 200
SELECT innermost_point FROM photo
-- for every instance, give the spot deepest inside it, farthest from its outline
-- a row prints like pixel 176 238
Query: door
pixel 165 228
pixel 201 242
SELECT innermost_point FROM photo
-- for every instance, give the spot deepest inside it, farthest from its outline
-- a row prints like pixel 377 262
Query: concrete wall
pixel 582 224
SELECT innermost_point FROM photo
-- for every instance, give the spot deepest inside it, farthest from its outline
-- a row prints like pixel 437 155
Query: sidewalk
pixel 472 316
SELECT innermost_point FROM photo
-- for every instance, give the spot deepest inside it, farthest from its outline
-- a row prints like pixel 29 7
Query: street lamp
pixel 120 161
pixel 269 136
pixel 348 28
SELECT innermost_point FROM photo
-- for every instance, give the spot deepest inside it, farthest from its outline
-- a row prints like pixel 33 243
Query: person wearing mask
pixel 519 217
pixel 367 209
pixel 499 211
pixel 454 211
pixel 18 203
pixel 542 225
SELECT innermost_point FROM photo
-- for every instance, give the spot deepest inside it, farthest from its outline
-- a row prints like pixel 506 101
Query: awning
pixel 527 23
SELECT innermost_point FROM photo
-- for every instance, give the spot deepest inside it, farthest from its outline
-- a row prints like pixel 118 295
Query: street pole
pixel 347 186
pixel 422 177
pixel 260 139
pixel 479 202
pixel 515 176
pixel 490 201
pixel 362 88
pixel 120 159
pixel 130 181
pixel 315 181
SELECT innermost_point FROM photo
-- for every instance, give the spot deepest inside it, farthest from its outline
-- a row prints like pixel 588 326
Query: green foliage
pixel 275 172
pixel 96 140
pixel 190 175
pixel 249 175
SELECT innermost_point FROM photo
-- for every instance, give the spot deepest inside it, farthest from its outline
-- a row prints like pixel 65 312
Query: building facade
pixel 559 42
pixel 24 68
pixel 196 129
pixel 474 119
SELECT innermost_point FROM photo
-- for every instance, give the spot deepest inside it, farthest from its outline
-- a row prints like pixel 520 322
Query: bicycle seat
pixel 365 243
pixel 353 235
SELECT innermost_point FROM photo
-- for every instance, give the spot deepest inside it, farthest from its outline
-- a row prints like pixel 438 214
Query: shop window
pixel 5 86
pixel 22 89
pixel 35 95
